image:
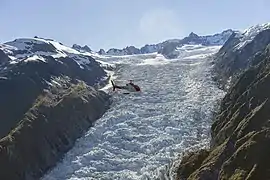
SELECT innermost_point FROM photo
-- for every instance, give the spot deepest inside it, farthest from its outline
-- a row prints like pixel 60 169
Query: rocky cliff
pixel 48 99
pixel 241 130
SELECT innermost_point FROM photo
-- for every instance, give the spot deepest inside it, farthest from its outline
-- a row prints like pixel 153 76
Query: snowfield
pixel 143 132
pixel 50 48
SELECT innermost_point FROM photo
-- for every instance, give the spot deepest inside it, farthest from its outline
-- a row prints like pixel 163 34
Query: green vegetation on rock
pixel 49 129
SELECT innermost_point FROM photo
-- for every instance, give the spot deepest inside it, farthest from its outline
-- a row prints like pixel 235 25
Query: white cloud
pixel 160 24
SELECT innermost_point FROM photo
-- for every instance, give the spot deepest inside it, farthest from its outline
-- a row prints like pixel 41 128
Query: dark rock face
pixel 114 51
pixel 81 49
pixel 101 52
pixel 241 131
pixel 129 50
pixel 47 102
pixel 192 38
pixel 150 48
pixel 3 58
pixel 168 51
pixel 132 50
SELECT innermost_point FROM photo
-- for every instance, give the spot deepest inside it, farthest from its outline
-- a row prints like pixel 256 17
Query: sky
pixel 120 23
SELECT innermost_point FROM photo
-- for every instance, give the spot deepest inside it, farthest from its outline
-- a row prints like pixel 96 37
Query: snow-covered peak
pixel 27 49
pixel 169 47
pixel 24 43
pixel 208 40
pixel 254 30
pixel 219 38
pixel 249 34
pixel 28 45
pixel 37 45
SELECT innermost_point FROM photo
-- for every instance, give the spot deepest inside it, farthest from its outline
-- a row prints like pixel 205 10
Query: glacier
pixel 141 134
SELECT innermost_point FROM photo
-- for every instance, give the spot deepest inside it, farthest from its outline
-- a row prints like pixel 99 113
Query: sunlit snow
pixel 249 34
pixel 25 44
pixel 143 132
pixel 35 58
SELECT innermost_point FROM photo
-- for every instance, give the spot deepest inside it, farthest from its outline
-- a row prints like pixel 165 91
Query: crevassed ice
pixel 141 133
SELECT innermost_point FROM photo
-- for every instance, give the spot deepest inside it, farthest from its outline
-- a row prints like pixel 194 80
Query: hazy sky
pixel 118 23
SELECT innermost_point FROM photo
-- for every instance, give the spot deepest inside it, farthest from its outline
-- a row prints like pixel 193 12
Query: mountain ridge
pixel 192 38
pixel 216 39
